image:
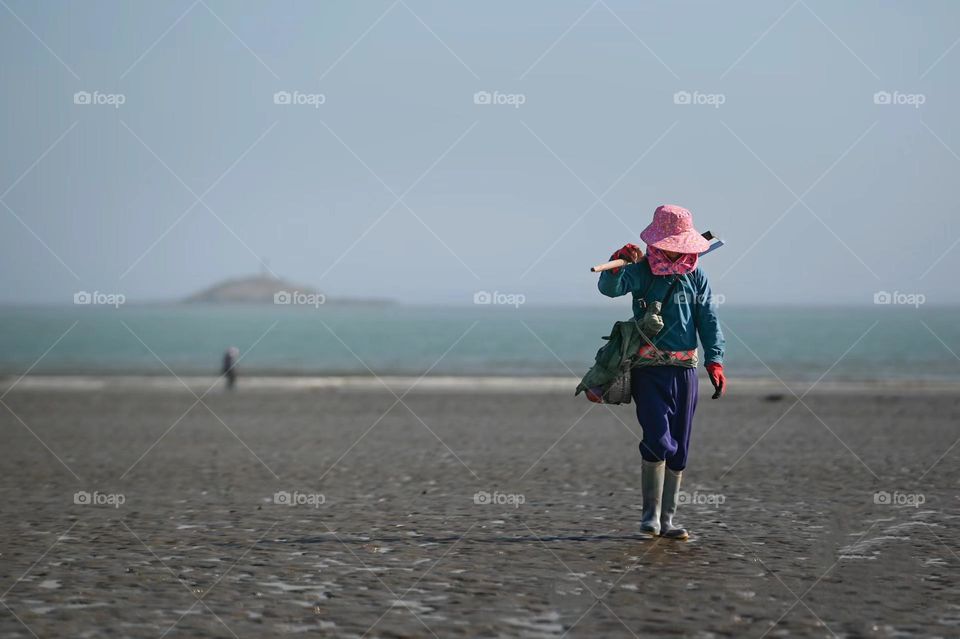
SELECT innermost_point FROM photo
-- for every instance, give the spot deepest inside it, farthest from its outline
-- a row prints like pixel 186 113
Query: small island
pixel 267 289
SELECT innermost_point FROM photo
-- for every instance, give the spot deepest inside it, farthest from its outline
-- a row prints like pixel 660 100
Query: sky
pixel 424 151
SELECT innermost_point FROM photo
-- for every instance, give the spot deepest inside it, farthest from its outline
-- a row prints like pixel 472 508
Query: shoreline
pixel 438 384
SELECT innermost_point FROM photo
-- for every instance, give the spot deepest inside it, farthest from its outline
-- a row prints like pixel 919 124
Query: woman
pixel 664 385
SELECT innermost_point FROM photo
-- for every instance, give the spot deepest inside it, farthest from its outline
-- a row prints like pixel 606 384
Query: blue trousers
pixel 666 398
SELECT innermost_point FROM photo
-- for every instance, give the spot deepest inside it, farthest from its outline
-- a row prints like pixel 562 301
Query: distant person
pixel 673 304
pixel 230 366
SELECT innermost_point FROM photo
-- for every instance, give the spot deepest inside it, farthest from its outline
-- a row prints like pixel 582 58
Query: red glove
pixel 717 378
pixel 630 253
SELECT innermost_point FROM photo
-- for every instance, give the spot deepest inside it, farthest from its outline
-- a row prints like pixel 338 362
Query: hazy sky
pixel 824 195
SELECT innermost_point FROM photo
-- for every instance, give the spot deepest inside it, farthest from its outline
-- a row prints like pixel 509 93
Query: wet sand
pixel 787 536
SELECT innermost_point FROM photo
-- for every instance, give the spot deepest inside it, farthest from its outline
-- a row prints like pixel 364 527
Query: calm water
pixel 795 343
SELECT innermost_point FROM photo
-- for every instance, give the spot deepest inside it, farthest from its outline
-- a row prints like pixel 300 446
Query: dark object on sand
pixel 229 369
pixel 773 397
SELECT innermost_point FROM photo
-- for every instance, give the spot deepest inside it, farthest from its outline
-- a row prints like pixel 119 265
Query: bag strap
pixel 653 280
pixel 673 285
pixel 660 354
pixel 667 295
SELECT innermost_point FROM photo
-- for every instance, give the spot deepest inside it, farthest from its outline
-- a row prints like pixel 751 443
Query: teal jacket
pixel 690 311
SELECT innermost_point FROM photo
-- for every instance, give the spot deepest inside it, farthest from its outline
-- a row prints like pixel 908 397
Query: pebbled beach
pixel 353 511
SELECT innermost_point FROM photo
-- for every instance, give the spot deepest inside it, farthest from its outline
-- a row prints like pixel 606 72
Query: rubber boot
pixel 671 495
pixel 651 482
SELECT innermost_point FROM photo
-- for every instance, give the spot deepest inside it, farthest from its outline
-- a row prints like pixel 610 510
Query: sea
pixel 883 342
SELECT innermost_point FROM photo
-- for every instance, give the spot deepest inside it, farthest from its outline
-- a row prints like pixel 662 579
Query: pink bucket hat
pixel 672 230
